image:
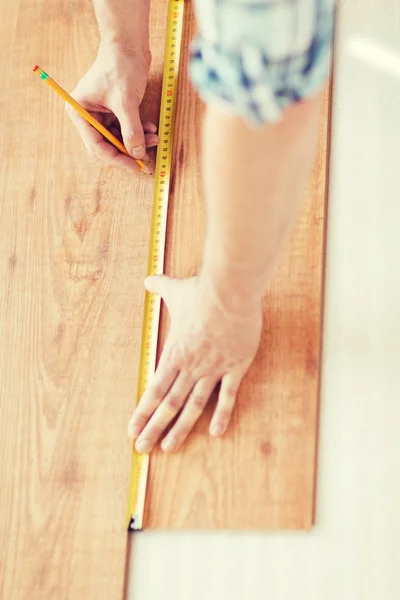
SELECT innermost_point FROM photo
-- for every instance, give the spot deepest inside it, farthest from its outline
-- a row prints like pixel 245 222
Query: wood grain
pixel 73 258
pixel 261 474
pixel 73 254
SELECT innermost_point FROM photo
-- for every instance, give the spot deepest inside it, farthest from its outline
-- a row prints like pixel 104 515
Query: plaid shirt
pixel 255 57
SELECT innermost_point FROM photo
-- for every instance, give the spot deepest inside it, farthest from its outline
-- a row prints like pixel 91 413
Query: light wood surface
pixel 261 474
pixel 74 252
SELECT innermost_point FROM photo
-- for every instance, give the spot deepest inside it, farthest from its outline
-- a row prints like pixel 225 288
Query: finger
pixel 191 412
pixel 131 128
pixel 227 396
pixel 99 147
pixel 151 139
pixel 153 396
pixel 149 127
pixel 165 413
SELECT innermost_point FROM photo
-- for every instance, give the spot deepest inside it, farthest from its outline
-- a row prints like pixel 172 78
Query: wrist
pixel 229 265
pixel 125 26
pixel 229 292
pixel 115 49
pixel 124 43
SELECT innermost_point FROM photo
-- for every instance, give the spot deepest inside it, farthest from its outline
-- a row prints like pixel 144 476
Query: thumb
pixel 132 130
pixel 161 285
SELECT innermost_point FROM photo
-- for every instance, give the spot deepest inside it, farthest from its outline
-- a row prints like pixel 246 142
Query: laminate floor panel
pixel 74 255
pixel 261 473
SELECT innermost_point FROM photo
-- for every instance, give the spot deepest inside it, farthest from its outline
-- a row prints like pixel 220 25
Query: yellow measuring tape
pixel 155 266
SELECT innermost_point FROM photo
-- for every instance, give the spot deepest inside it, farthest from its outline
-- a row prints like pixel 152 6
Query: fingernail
pixel 142 446
pixel 138 151
pixel 216 430
pixel 169 444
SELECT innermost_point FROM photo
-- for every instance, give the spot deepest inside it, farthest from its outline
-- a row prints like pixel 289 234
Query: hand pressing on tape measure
pixel 252 204
pixel 209 341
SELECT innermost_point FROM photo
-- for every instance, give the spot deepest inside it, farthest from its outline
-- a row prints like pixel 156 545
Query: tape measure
pixel 155 266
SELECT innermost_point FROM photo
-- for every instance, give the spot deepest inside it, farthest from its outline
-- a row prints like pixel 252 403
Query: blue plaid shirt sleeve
pixel 256 57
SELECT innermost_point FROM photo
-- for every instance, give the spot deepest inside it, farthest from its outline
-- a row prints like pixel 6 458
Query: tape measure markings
pixel 155 265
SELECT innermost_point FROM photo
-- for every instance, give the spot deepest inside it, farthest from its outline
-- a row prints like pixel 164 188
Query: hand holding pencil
pixel 97 123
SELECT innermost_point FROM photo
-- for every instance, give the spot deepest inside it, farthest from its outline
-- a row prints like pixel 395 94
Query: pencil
pixel 86 115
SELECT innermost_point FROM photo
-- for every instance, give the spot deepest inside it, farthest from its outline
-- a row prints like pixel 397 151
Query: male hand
pixel 207 343
pixel 112 91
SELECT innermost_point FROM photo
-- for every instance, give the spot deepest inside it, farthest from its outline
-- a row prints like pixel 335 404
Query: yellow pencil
pixel 86 115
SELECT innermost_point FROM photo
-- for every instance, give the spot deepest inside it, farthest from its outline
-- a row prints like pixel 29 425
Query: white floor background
pixel 353 553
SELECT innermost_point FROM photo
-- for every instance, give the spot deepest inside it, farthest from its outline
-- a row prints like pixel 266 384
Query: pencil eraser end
pixel 35 68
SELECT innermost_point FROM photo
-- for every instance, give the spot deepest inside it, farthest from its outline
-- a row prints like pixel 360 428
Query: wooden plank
pixel 74 253
pixel 261 474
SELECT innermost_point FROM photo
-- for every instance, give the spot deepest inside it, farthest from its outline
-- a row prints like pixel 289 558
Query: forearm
pixel 124 22
pixel 254 183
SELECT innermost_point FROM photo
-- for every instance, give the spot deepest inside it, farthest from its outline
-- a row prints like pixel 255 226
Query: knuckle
pixel 155 431
pixel 230 392
pixel 223 415
pixel 157 391
pixel 173 402
pixel 129 136
pixel 198 401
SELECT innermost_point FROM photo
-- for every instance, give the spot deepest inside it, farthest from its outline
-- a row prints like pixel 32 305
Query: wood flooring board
pixel 261 474
pixel 73 260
